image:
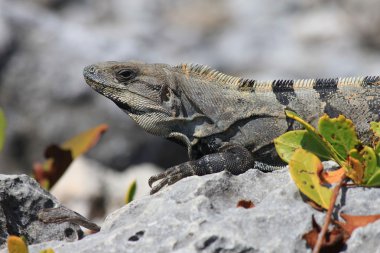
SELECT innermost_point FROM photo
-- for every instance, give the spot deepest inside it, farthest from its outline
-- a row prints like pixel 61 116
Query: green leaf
pixel 303 168
pixel 131 192
pixel 340 132
pixel 298 118
pixel 372 171
pixel 3 126
pixel 355 166
pixel 319 139
pixel 375 127
pixel 289 142
pixel 364 169
pixel 377 152
pixel 374 181
pixel 370 161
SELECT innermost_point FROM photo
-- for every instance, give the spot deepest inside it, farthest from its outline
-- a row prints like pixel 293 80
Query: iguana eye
pixel 125 75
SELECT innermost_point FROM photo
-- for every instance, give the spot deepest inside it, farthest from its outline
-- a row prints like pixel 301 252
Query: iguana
pixel 227 123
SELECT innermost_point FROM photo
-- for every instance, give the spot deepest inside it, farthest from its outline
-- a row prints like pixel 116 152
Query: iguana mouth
pixel 126 107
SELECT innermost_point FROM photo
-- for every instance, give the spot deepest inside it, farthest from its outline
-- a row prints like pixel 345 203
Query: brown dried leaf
pixel 311 237
pixel 357 171
pixel 39 175
pixel 354 222
pixel 330 177
pixel 245 204
pixel 58 161
pixel 333 242
pixel 60 157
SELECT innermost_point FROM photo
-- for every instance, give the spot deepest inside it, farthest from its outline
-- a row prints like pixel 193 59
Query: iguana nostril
pixel 90 69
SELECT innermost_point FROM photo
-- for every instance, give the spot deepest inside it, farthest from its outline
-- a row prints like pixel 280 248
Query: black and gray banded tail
pixel 267 168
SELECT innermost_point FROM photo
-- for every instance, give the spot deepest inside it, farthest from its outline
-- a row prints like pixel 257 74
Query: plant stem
pixel 326 224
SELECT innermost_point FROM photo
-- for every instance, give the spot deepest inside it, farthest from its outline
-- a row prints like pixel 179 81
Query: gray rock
pixel 21 198
pixel 199 214
pixel 7 46
pixel 365 239
pixel 47 66
pixel 363 28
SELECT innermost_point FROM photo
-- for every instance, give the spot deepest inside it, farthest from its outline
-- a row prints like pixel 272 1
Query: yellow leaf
pixel 60 157
pixel 49 250
pixel 304 167
pixel 16 245
pixel 84 141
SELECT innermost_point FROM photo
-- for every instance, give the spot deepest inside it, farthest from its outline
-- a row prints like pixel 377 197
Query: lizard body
pixel 226 122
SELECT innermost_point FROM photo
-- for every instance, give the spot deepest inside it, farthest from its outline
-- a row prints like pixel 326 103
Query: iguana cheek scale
pixel 227 123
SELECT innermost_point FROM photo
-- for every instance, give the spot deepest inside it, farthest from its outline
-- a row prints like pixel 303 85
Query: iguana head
pixel 148 93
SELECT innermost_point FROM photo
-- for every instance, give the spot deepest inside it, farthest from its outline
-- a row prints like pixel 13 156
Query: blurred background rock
pixel 44 45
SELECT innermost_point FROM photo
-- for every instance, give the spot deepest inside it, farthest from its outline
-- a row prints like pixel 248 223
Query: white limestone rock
pixel 199 214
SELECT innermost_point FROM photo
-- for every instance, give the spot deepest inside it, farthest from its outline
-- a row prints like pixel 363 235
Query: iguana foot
pixel 233 158
pixel 170 176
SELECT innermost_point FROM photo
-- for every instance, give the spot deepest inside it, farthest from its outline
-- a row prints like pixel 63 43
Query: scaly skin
pixel 226 123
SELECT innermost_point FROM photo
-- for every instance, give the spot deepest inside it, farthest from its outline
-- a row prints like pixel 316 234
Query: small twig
pixel 353 185
pixel 326 224
pixel 62 214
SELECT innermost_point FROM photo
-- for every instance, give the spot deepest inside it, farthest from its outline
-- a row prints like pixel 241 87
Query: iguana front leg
pixel 233 158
